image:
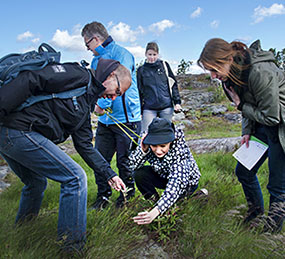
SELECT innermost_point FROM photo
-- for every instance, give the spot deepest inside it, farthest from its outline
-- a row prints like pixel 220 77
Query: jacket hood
pixel 259 55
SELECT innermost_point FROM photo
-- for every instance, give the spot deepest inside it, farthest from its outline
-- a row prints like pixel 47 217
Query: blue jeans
pixel 34 158
pixel 276 184
pixel 149 115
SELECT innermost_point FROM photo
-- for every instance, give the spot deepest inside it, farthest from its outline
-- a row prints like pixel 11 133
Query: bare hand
pixel 245 139
pixel 146 217
pixel 233 95
pixel 177 108
pixel 99 110
pixel 143 146
pixel 117 183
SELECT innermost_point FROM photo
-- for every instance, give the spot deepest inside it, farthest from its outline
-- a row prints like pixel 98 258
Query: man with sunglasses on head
pixel 125 109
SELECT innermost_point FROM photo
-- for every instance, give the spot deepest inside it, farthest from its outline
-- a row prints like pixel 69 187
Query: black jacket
pixel 153 86
pixel 57 119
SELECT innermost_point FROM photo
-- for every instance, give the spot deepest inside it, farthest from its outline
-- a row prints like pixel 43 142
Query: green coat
pixel 264 100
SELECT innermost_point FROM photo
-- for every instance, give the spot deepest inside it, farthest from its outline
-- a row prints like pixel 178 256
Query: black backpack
pixel 12 64
pixel 37 76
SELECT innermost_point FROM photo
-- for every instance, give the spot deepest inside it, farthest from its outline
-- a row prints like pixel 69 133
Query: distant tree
pixel 139 64
pixel 279 57
pixel 183 67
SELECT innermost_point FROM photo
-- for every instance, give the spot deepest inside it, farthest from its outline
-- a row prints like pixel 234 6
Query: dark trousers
pixel 276 183
pixel 147 180
pixel 111 139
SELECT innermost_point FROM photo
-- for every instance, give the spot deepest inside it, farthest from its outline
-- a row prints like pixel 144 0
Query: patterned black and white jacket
pixel 178 166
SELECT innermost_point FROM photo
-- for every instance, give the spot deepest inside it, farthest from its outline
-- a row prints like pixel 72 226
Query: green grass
pixel 213 127
pixel 195 228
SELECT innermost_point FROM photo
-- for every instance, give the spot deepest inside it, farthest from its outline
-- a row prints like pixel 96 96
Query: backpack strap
pixel 125 107
pixel 63 95
pixel 170 80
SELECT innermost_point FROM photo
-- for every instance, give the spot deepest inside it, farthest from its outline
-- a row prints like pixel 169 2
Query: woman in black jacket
pixel 159 97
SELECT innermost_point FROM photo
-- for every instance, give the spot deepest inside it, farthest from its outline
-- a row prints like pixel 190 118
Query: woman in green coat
pixel 255 84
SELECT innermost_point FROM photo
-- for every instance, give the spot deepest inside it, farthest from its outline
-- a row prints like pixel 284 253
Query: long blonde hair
pixel 218 52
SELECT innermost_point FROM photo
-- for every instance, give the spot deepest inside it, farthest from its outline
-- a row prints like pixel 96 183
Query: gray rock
pixel 178 116
pixel 150 250
pixel 4 170
pixel 202 146
pixel 233 117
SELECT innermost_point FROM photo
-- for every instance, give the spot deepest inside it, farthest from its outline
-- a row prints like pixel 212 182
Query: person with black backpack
pixel 28 139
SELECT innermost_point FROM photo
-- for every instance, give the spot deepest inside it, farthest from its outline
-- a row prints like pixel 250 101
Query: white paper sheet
pixel 248 157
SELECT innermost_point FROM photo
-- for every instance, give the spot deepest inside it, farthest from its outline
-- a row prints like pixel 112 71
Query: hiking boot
pixel 274 221
pixel 125 197
pixel 101 203
pixel 252 214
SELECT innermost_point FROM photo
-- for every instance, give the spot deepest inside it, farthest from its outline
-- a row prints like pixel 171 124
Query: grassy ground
pixel 195 228
pixel 213 127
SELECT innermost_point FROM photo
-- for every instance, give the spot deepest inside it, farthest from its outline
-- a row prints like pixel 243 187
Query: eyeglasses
pixel 118 90
pixel 88 42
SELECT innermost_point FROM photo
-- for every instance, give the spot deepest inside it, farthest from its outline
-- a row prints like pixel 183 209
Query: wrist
pixel 240 105
pixel 155 212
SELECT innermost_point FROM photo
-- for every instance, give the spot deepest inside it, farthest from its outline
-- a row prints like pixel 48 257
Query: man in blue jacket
pixel 125 109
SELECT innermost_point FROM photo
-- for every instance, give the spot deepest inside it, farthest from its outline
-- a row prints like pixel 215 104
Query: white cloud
pixel 215 24
pixel 261 12
pixel 25 36
pixel 35 40
pixel 63 39
pixel 137 51
pixel 161 26
pixel 195 69
pixel 122 32
pixel 196 13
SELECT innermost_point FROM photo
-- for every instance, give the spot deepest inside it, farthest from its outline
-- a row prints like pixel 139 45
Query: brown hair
pixel 218 52
pixel 153 46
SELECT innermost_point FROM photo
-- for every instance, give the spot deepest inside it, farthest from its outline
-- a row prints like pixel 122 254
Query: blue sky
pixel 181 27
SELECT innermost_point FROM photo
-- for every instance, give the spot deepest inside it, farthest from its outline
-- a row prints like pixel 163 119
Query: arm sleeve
pixel 248 126
pixel 264 87
pixel 140 85
pixel 137 158
pixel 82 140
pixel 178 180
pixel 184 174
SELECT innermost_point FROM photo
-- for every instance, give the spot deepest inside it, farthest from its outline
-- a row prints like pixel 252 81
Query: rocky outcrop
pixel 202 146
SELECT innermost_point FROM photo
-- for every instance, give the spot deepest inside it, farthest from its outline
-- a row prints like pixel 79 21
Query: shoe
pixel 273 224
pixel 202 193
pixel 252 214
pixel 101 203
pixel 125 197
